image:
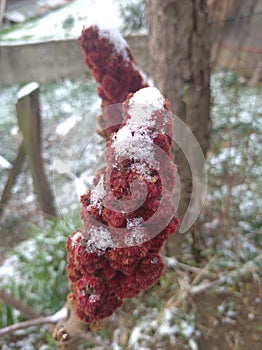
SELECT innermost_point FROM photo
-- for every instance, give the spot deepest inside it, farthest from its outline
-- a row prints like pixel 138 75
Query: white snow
pixel 100 239
pixel 27 89
pixel 113 35
pixel 68 21
pixel 62 168
pixel 143 103
pixel 134 140
pixel 80 184
pixel 4 163
pixel 9 268
pixel 61 314
pixel 97 194
pixel 193 344
pixel 187 328
pixel 136 229
pixel 134 223
pixel 50 3
pixel 65 126
pixel 142 168
pixel 135 335
pixel 134 143
pixel 149 96
pixel 75 238
pixel 170 261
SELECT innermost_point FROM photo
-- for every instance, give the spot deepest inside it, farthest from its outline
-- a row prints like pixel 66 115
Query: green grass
pixel 40 278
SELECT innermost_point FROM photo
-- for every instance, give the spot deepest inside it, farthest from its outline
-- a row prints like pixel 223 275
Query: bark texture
pixel 29 121
pixel 179 49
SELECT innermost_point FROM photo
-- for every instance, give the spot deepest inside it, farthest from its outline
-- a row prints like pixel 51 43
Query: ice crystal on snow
pixel 136 235
pixel 134 140
pixel 97 194
pixel 114 37
pixel 135 222
pixel 100 239
pixel 142 168
pixel 134 143
pixel 142 105
pixel 75 238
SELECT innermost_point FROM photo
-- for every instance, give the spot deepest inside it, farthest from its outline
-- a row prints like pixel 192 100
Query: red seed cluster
pixel 128 214
pixel 114 68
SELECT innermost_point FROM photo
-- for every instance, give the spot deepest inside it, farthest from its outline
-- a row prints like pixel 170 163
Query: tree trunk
pixel 226 17
pixel 179 52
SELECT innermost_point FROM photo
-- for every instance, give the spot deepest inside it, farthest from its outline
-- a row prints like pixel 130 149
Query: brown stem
pixel 68 331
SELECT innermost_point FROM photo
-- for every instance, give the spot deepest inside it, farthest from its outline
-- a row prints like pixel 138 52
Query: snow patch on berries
pixel 142 168
pixel 115 38
pixel 135 222
pixel 76 236
pixel 134 143
pixel 100 239
pixel 143 104
pixel 97 195
pixel 137 232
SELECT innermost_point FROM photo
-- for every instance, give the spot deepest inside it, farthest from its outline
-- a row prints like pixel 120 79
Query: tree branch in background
pixel 34 322
pixel 13 173
pixel 68 330
pixel 25 310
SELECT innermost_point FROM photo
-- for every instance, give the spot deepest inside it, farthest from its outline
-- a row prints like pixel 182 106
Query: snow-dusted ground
pixel 68 21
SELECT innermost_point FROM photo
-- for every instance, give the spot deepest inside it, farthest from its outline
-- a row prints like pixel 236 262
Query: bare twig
pixel 67 331
pixel 26 310
pixel 34 322
pixel 174 263
pixel 247 267
pixel 68 328
pixel 177 298
pixel 194 289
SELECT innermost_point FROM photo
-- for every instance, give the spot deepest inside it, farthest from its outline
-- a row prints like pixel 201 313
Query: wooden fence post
pixel 3 4
pixel 28 115
pixel 13 173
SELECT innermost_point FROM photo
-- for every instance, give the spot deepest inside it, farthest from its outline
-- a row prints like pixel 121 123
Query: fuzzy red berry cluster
pixel 128 214
pixel 113 66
